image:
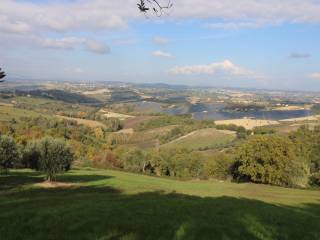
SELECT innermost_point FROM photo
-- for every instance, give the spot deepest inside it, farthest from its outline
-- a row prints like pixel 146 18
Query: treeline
pixel 84 141
pixel 166 120
pixel 48 155
pixel 178 163
pixel 291 161
pixel 60 95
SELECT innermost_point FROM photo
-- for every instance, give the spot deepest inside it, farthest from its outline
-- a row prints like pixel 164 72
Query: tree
pixel 270 160
pixel 2 75
pixel 218 166
pixel 307 144
pixel 9 153
pixel 50 156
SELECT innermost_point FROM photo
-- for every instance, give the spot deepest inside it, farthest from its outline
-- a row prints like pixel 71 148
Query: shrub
pixel 218 166
pixel 9 153
pixel 106 159
pixel 315 180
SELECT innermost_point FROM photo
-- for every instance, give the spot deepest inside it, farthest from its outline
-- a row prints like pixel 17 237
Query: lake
pixel 265 115
pixel 203 111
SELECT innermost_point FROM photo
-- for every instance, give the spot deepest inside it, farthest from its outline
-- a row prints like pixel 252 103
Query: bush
pixel 218 166
pixel 315 180
pixel 50 156
pixel 270 160
pixel 106 159
pixel 134 160
pixel 9 153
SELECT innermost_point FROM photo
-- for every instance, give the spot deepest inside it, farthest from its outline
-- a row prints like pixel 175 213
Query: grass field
pixel 204 138
pixel 114 205
pixel 8 113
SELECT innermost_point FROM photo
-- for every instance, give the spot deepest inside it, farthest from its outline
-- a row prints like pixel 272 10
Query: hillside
pixel 97 204
pixel 203 139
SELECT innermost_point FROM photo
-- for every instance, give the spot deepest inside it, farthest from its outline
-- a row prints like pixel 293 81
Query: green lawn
pixel 117 205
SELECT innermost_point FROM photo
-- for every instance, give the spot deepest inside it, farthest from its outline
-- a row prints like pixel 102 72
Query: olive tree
pixel 51 156
pixel 9 153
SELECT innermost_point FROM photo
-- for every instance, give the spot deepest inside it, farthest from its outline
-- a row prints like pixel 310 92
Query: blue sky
pixel 243 43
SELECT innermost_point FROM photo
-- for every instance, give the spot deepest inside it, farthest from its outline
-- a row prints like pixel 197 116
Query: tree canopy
pixel 270 160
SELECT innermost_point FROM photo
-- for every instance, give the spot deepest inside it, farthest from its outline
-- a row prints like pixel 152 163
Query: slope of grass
pixel 204 138
pixel 117 205
pixel 7 113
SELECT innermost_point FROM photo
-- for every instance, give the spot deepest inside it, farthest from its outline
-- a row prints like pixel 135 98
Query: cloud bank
pixel 93 15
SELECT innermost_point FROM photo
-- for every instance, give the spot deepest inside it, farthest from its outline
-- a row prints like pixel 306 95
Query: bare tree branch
pixel 145 6
pixel 2 75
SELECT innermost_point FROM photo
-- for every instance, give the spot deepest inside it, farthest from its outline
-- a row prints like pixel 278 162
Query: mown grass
pixel 117 205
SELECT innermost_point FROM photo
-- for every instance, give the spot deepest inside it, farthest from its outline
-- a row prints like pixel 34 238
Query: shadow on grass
pixel 19 179
pixel 107 213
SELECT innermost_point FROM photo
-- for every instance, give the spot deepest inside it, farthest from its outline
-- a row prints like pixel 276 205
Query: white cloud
pixel 162 54
pixel 67 16
pixel 225 67
pixel 9 26
pixel 315 75
pixel 71 43
pixel 161 40
pixel 26 18
pixel 63 43
pixel 250 12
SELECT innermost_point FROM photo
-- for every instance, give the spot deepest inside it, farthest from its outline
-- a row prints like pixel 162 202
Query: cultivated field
pixel 247 123
pixel 97 204
pixel 88 123
pixel 136 121
pixel 310 118
pixel 120 116
pixel 204 138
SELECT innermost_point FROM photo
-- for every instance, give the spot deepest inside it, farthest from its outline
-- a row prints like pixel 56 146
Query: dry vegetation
pixel 247 123
pixel 120 116
pixel 310 118
pixel 85 122
pixel 135 122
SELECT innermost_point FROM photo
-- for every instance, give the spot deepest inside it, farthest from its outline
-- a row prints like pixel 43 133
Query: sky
pixel 229 43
